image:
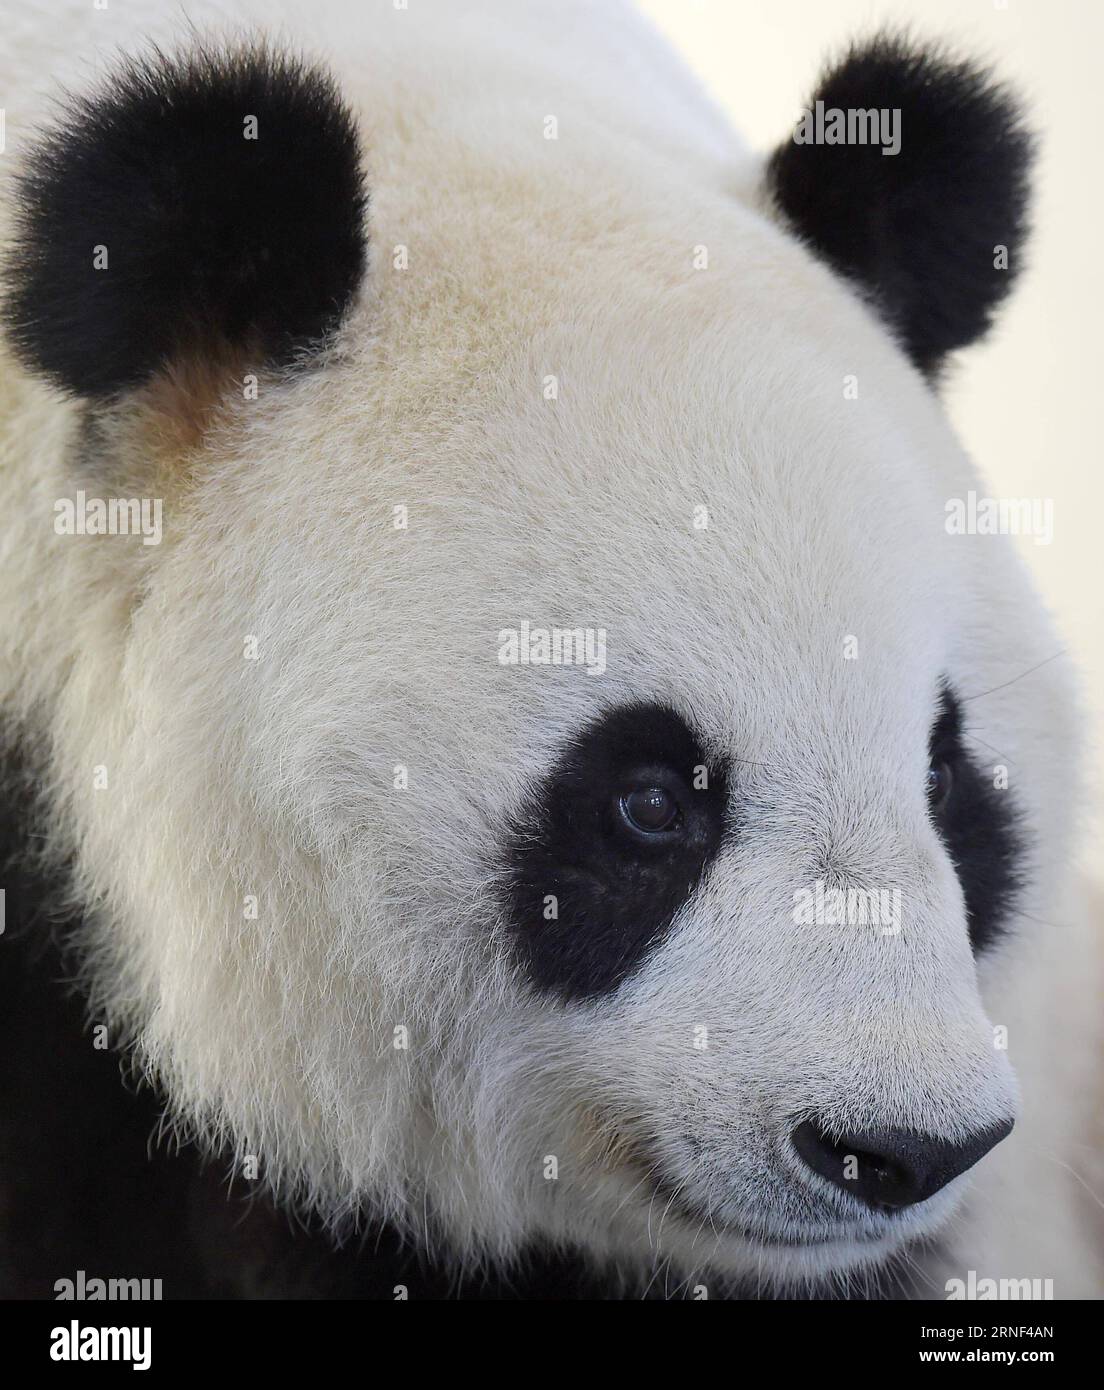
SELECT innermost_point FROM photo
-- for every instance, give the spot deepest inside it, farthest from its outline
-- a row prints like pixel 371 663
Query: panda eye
pixel 650 810
pixel 940 783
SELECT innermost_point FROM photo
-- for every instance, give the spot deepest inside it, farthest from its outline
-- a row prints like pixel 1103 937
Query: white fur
pixel 677 388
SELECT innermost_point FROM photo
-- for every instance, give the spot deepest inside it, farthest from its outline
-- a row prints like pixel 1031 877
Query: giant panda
pixel 366 936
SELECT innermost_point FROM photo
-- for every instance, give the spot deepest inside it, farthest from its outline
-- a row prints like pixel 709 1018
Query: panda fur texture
pixel 281 821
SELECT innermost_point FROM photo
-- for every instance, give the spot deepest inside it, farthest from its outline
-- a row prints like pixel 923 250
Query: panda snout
pixel 891 1167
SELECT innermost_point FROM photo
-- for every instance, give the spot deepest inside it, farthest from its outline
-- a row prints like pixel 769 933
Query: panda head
pixel 673 952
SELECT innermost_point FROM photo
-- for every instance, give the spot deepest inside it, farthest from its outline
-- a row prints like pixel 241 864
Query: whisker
pixel 1073 1173
pixel 968 733
pixel 1031 669
pixel 1019 912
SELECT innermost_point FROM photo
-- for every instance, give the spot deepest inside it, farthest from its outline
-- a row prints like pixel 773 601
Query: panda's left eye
pixel 940 783
pixel 976 821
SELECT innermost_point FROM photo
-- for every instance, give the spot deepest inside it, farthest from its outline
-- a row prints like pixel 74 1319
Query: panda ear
pixel 922 230
pixel 189 207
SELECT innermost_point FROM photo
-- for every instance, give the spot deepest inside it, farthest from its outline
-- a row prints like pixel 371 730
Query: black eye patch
pixel 609 847
pixel 976 822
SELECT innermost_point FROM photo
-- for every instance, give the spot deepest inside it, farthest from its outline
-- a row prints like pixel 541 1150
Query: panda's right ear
pixel 189 207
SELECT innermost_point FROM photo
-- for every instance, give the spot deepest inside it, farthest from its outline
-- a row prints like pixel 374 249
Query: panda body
pixel 308 818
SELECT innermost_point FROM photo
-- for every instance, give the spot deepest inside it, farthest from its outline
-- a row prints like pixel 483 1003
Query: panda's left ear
pixel 933 231
pixel 190 208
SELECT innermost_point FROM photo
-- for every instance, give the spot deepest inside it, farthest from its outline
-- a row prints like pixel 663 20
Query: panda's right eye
pixel 651 811
pixel 610 845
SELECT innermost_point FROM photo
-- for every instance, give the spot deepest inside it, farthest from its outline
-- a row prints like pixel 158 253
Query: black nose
pixel 891 1167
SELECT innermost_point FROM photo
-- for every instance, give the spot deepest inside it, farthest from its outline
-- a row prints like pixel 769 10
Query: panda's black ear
pixel 190 206
pixel 934 232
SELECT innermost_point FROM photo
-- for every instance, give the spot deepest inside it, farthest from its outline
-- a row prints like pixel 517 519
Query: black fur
pixel 917 229
pixel 214 241
pixel 978 825
pixel 616 895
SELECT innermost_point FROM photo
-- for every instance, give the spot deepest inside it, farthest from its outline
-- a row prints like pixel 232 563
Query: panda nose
pixel 891 1167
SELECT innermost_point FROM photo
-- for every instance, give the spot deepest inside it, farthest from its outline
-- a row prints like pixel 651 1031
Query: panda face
pixel 414 805
pixel 678 956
